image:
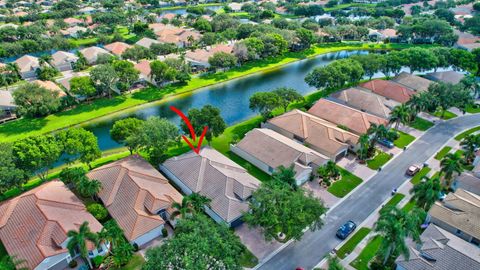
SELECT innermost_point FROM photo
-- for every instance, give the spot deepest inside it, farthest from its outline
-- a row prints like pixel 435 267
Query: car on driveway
pixel 346 229
pixel 412 170
pixel 386 143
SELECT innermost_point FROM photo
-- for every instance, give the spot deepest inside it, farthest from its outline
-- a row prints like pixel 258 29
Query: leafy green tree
pixel 88 188
pixel 395 225
pixel 33 100
pixel 202 25
pixel 82 86
pixel 10 175
pixel 126 72
pixel 222 60
pixel 78 240
pixel 469 145
pixel 163 48
pixel 476 53
pixel 81 63
pixel 98 211
pixel 11 263
pixel 450 165
pixel 36 154
pixel 336 74
pixel 371 63
pixel 137 53
pixel 161 72
pixel 305 38
pixel 203 245
pixel 47 73
pixel 328 171
pixel 279 209
pixel 208 116
pixel 419 59
pixel 123 129
pixel 287 96
pixel 121 253
pixel 105 78
pixel 463 60
pixel 393 63
pixel 265 103
pixel 285 175
pixel 426 192
pixel 183 209
pixel 81 144
pixel 72 175
pixel 198 201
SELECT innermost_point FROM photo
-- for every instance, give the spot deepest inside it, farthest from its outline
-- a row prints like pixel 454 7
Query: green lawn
pixel 367 254
pixel 408 206
pixel 350 245
pixel 421 124
pixel 464 134
pixel 134 264
pixel 473 109
pixel 378 161
pixel 459 153
pixel 435 175
pixel 395 200
pixel 442 153
pixel 25 127
pixel 418 177
pixel 346 184
pixel 447 115
pixel 403 140
pixel 247 259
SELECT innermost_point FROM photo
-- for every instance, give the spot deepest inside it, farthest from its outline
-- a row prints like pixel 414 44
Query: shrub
pixel 72 264
pixel 164 232
pixel 135 247
pixel 97 261
pixel 98 211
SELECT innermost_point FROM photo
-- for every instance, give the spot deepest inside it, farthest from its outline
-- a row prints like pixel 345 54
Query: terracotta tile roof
pixel 215 176
pixel 72 21
pixel 276 150
pixel 413 82
pixel 146 42
pixel 173 34
pixel 143 67
pixel 389 89
pixel 326 137
pixel 61 57
pixel 389 32
pixel 35 224
pixel 134 192
pixel 49 85
pixel 459 210
pixel 357 121
pixel 117 48
pixel 92 53
pixel 27 63
pixel 450 76
pixel 202 55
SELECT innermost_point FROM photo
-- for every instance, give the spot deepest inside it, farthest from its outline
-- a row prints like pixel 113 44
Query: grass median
pixel 418 176
pixel 367 254
pixel 464 134
pixel 350 245
pixel 443 152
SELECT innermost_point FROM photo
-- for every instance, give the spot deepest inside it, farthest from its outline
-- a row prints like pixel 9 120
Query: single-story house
pixel 414 82
pixel 146 42
pixel 28 66
pixel 7 104
pixel 198 58
pixel 144 68
pixel 53 87
pixel 72 21
pixel 74 31
pixel 178 36
pixel 439 250
pixel 63 61
pixel 383 34
pixel 268 150
pixel 458 214
pixel 451 76
pixel 92 53
pixel 467 41
pixel 117 48
pixel 389 90
pixel 319 134
pixel 365 101
pixel 228 185
pixel 345 117
pixel 137 196
pixel 34 226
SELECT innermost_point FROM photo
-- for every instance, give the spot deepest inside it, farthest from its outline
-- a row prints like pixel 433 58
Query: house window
pixel 458 231
pixel 90 253
pixel 270 169
pixel 100 249
pixel 298 138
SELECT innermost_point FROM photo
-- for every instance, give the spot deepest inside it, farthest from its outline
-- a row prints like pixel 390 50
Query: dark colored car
pixel 346 229
pixel 386 143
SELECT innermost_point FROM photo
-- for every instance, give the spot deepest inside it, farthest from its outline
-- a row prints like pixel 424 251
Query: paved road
pixel 359 205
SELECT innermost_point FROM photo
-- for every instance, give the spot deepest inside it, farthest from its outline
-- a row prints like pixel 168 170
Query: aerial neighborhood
pixel 259 134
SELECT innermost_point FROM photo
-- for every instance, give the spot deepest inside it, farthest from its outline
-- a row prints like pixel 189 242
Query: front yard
pixel 367 254
pixel 403 139
pixel 379 160
pixel 347 183
pixel 394 200
pixel 421 124
pixel 446 115
pixel 418 177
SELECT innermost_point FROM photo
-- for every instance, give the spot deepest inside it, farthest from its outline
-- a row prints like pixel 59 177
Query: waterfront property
pixel 211 174
pixel 414 82
pixel 34 226
pixel 137 196
pixel 389 90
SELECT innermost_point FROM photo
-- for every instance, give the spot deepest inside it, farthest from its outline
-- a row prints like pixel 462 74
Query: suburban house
pixel 198 58
pixel 92 53
pixel 414 82
pixel 450 76
pixel 365 101
pixel 469 181
pixel 213 175
pixel 268 150
pixel 144 68
pixel 34 226
pixel 117 48
pixel 345 117
pixel 137 196
pixel 7 105
pixel 459 214
pixel 51 86
pixel 320 135
pixel 439 250
pixel 467 41
pixel 146 42
pixel 181 37
pixel 72 21
pixel 380 35
pixel 63 61
pixel 389 90
pixel 27 66
pixel 74 31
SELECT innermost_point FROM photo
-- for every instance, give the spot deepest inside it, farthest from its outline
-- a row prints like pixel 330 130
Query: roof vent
pixel 427 257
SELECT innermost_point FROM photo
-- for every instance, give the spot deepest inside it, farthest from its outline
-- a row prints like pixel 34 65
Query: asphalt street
pixel 312 248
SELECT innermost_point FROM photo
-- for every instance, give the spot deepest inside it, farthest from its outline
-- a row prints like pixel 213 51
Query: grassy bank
pixel 25 127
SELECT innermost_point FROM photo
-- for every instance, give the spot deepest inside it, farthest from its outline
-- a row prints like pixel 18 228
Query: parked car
pixel 412 170
pixel 386 143
pixel 346 229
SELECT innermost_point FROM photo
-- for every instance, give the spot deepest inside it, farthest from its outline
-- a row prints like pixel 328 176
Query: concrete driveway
pixel 350 163
pixel 253 239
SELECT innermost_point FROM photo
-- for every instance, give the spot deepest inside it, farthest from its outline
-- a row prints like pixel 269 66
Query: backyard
pixel 347 183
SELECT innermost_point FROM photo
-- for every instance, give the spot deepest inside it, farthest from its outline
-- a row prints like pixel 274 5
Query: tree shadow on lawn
pixel 22 125
pixel 95 105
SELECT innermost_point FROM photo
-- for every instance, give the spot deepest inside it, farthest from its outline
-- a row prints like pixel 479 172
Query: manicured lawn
pixel 395 200
pixel 135 263
pixel 22 128
pixel 435 175
pixel 421 124
pixel 443 152
pixel 350 245
pixel 247 259
pixel 459 153
pixel 378 161
pixel 473 109
pixel 346 184
pixel 464 134
pixel 367 254
pixel 403 140
pixel 418 177
pixel 408 206
pixel 447 115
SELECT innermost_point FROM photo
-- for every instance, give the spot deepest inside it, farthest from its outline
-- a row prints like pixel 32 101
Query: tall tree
pixel 33 100
pixel 208 116
pixel 10 175
pixel 399 115
pixel 222 60
pixel 82 86
pixel 469 145
pixel 450 165
pixel 123 129
pixel 419 59
pixel 105 78
pixel 161 72
pixel 426 192
pixel 264 103
pixel 78 240
pixel 126 72
pixel 287 96
pixel 81 144
pixel 183 209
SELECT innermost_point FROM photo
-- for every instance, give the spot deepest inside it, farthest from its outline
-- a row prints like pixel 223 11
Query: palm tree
pixel 395 225
pixel 377 132
pixel 285 175
pixel 328 171
pixel 399 115
pixel 450 165
pixel 78 240
pixel 45 59
pixel 469 144
pixel 364 143
pixel 426 192
pixel 87 187
pixel 416 105
pixel 198 201
pixel 183 209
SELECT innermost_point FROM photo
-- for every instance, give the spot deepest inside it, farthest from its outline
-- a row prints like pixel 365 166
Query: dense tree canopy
pixel 34 101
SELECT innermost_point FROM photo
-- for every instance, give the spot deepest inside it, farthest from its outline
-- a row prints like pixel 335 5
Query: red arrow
pixel 192 131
